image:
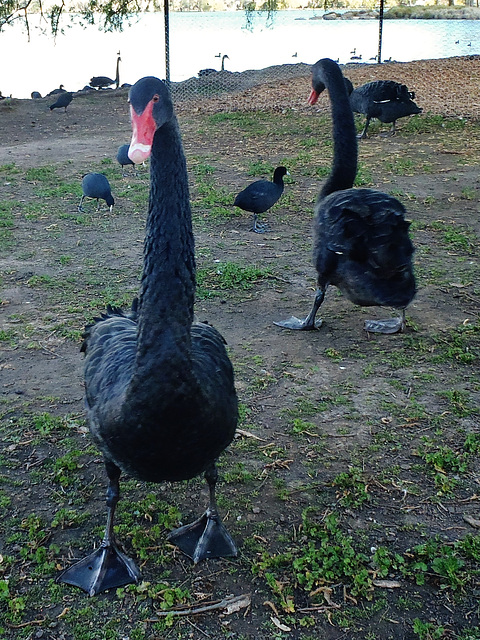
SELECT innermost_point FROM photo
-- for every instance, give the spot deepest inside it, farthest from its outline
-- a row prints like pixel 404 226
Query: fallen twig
pixel 231 604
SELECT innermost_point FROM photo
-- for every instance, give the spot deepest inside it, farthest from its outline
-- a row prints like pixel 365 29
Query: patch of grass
pixel 46 174
pixel 6 224
pixel 364 176
pixel 260 168
pixel 430 123
pixel 351 488
pixel 251 124
pixel 428 630
pixel 46 424
pixel 326 556
pixel 228 276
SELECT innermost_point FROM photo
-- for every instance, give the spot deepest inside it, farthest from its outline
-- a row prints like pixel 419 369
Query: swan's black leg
pixel 206 537
pixel 107 567
pixel 258 227
pixel 363 135
pixel 392 131
pixel 80 207
pixel 391 325
pixel 309 323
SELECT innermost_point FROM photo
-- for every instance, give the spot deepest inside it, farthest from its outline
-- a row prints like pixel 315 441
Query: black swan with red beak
pixel 160 391
pixel 362 244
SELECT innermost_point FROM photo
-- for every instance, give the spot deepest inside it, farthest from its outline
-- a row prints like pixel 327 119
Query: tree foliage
pixel 110 15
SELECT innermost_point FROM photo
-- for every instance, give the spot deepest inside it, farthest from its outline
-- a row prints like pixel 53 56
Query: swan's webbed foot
pixel 309 324
pixel 299 325
pixel 390 325
pixel 106 568
pixel 204 538
pixel 389 134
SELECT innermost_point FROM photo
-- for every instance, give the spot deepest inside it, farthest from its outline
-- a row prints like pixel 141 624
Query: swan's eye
pixel 156 98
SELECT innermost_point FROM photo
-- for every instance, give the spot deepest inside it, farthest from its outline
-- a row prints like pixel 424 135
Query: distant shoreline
pixel 405 13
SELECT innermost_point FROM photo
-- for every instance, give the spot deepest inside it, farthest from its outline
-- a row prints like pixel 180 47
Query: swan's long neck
pixel 168 281
pixel 344 166
pixel 117 73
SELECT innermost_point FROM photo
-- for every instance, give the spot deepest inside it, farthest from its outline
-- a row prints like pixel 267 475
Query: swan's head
pixel 320 70
pixel 318 84
pixel 150 108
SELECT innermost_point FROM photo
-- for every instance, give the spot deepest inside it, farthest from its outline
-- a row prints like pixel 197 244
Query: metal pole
pixel 167 44
pixel 380 32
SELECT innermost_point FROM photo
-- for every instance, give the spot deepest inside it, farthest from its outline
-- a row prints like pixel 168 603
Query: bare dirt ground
pixel 353 486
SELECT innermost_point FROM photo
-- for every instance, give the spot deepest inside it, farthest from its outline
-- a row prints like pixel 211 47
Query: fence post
pixel 167 43
pixel 380 32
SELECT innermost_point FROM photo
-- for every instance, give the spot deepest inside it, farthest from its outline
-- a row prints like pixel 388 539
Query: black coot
pixel 260 196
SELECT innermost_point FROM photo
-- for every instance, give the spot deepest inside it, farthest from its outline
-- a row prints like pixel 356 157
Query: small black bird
pixel 63 100
pixel 123 159
pixel 260 196
pixel 96 186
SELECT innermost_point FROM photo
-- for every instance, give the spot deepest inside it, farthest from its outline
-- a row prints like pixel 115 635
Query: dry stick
pixel 231 603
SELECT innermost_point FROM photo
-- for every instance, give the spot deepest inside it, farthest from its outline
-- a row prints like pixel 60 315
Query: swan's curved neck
pixel 117 73
pixel 344 166
pixel 168 282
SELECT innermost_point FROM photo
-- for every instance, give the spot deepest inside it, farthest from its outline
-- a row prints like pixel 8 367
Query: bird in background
pixel 261 195
pixel 97 187
pixel 123 159
pixel 63 100
pixel 207 72
pixel 362 244
pixel 54 92
pixel 101 82
pixel 385 100
pixel 159 386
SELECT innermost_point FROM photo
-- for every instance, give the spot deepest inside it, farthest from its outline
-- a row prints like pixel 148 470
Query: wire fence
pixel 288 50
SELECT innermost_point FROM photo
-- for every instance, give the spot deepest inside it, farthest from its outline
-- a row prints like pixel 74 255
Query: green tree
pixel 110 15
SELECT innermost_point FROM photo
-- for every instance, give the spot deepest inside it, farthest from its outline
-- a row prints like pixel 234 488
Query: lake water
pixel 197 39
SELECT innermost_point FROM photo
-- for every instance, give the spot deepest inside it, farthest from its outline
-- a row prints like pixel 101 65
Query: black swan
pixel 260 196
pixel 160 391
pixel 55 91
pixel 63 100
pixel 361 244
pixel 96 186
pixel 123 159
pixel 385 100
pixel 35 95
pixel 101 82
pixel 207 72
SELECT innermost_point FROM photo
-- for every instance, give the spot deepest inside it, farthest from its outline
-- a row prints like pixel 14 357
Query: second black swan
pixel 385 100
pixel 160 392
pixel 101 82
pixel 362 243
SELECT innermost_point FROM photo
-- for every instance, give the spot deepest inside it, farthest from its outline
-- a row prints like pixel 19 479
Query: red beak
pixel 144 128
pixel 313 97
